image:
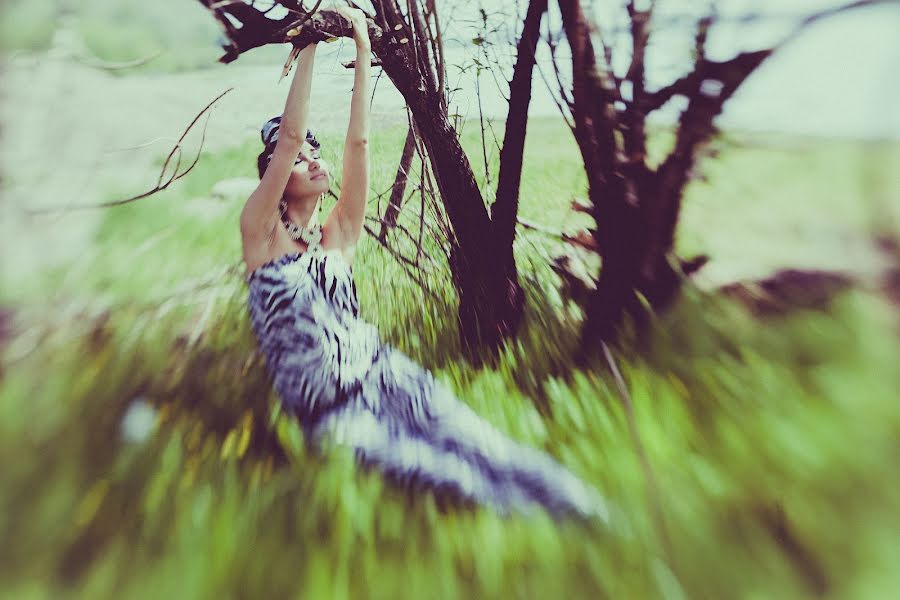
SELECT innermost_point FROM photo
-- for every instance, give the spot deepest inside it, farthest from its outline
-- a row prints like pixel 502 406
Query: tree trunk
pixel 637 268
pixel 488 307
pixel 506 204
pixel 488 311
pixel 393 208
pixel 634 249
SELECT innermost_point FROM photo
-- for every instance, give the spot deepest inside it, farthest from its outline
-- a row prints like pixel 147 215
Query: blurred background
pixel 143 449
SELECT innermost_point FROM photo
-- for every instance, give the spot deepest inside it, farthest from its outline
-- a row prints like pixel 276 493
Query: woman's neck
pixel 301 212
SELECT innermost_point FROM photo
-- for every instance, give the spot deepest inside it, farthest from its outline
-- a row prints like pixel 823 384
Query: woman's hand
pixel 357 19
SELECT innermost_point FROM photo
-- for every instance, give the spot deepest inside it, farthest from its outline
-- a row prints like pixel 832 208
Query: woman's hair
pixel 269 135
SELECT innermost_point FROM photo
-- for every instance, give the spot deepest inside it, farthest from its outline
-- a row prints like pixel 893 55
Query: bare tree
pixel 635 205
pixel 406 39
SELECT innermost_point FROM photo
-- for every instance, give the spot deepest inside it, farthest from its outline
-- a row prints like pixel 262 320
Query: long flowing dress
pixel 345 386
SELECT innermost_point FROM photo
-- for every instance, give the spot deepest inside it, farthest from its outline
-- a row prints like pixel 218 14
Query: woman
pixel 329 367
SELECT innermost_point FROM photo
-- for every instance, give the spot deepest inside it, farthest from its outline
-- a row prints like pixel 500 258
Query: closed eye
pixel 301 159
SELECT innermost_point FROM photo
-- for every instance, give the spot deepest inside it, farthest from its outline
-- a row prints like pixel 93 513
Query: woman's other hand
pixel 357 19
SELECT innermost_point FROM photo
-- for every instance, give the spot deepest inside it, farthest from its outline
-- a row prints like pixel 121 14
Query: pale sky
pixel 838 78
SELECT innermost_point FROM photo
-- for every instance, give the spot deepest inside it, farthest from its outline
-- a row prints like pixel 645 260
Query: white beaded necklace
pixel 311 236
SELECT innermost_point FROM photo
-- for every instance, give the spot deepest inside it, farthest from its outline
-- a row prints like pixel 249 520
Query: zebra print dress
pixel 345 386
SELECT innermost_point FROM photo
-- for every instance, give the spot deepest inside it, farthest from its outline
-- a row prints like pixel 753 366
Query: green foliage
pixel 770 442
pixel 26 25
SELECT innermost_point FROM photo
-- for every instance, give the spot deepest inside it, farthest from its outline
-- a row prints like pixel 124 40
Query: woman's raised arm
pixel 350 209
pixel 260 213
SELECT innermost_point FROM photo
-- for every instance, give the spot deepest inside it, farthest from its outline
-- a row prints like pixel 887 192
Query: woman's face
pixel 309 176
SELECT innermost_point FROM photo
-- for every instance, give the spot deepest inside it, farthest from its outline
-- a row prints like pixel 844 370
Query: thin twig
pixel 539 228
pixel 93 61
pixel 487 174
pixel 160 186
pixel 404 263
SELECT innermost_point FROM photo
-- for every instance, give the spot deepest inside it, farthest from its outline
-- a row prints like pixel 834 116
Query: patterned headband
pixel 270 129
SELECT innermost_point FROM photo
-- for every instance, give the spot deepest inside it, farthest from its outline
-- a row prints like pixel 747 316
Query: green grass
pixel 772 443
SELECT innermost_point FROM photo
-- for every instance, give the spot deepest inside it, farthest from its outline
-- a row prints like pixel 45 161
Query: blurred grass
pixel 771 441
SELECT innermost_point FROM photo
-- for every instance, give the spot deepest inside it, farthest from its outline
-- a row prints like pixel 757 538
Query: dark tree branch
pixel 484 155
pixel 437 48
pixel 506 202
pixel 399 187
pixel 593 109
pixel 634 135
pixel 401 34
pixel 563 93
pixel 735 70
pixel 695 129
pixel 421 217
pixel 426 64
pixel 640 35
pixel 563 102
pixel 705 69
pixel 702 34
pixel 258 30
